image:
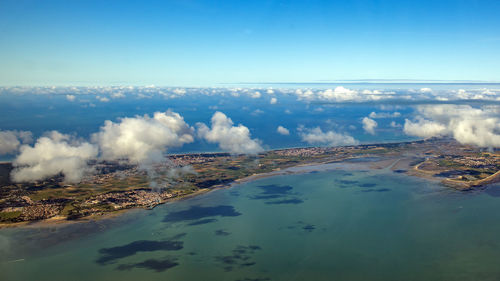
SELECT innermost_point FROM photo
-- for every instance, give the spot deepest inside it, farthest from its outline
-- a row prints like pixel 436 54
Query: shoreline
pixel 292 170
pixel 394 161
pixel 61 220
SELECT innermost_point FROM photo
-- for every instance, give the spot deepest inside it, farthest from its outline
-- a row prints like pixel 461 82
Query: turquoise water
pixel 348 223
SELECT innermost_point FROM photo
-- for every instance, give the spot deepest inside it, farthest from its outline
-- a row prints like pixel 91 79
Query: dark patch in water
pixel 254 279
pixel 493 190
pixel 309 228
pixel 156 265
pixel 286 201
pixel 368 184
pixel 348 182
pixel 204 221
pixel 302 226
pixel 110 255
pixel 221 232
pixel 234 193
pixel 376 190
pixel 177 236
pixel 399 171
pixel 198 212
pixel 313 172
pixel 254 247
pixel 264 197
pixel 275 189
pixel 240 256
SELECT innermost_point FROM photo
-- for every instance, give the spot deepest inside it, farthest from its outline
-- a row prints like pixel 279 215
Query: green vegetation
pixel 9 216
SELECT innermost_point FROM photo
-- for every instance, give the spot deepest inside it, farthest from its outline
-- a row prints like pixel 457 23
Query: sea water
pixel 344 223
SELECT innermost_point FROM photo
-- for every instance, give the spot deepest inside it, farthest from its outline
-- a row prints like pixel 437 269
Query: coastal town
pixel 115 186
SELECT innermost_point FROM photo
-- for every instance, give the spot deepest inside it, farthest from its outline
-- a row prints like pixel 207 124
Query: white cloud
pixel 341 94
pixel 179 92
pixel 273 100
pixel 143 139
pixel 375 115
pixel 317 136
pixel 257 112
pixel 70 97
pixel 235 139
pixel 11 140
pixel 369 125
pixel 336 95
pixel 283 131
pixel 423 128
pixel 52 155
pixel 468 125
pixel 255 95
pixel 118 95
pixel 395 125
pixel 102 99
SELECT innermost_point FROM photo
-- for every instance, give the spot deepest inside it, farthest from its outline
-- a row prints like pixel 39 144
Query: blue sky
pixel 205 43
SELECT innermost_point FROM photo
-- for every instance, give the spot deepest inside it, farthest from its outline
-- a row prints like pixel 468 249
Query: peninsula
pixel 116 187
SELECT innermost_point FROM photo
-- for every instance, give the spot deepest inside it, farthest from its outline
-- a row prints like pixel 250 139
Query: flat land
pixel 118 187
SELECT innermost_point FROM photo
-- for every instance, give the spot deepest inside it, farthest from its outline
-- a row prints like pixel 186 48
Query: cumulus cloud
pixel 235 139
pixel 283 131
pixel 332 138
pixel 273 100
pixel 423 128
pixel 102 99
pixel 369 125
pixel 54 154
pixel 143 139
pixel 70 97
pixel 255 95
pixel 341 94
pixel 395 125
pixel 11 140
pixel 118 95
pixel 468 125
pixel 179 91
pixel 257 112
pixel 375 115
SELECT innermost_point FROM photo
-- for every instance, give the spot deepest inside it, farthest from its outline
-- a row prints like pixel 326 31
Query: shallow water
pixel 328 225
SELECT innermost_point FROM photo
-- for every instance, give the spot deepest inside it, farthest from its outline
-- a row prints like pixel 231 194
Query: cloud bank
pixel 468 125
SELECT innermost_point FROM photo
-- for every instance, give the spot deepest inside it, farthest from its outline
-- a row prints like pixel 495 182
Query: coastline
pixel 394 157
pixel 59 220
pixel 293 170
